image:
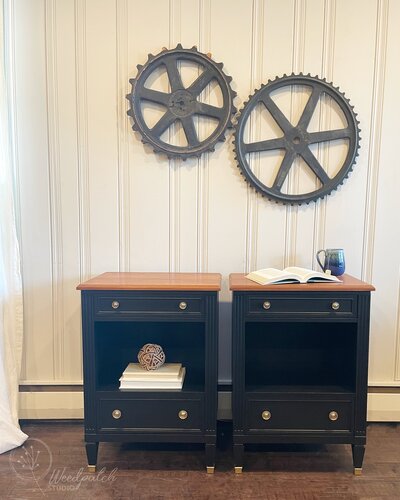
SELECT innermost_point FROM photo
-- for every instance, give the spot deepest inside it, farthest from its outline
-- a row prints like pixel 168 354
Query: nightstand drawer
pixel 157 415
pixel 270 305
pixel 299 415
pixel 119 305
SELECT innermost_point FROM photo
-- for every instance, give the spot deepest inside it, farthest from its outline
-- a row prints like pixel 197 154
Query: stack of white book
pixel 168 376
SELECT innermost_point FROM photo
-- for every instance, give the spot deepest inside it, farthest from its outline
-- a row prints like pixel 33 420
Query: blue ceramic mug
pixel 333 262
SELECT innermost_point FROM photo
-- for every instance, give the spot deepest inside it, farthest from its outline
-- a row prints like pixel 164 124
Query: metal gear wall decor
pixel 296 139
pixel 181 104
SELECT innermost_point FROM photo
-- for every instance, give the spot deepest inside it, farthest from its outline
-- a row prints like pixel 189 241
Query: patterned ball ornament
pixel 151 356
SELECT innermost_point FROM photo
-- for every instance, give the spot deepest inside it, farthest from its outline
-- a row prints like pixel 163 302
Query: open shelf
pixel 300 357
pixel 301 389
pixel 117 344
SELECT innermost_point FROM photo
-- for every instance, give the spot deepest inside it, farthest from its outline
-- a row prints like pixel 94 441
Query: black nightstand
pixel 299 364
pixel 120 313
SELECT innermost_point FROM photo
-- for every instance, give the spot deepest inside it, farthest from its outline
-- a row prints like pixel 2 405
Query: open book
pixel 271 276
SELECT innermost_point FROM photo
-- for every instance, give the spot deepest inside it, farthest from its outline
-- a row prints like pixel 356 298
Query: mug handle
pixel 319 262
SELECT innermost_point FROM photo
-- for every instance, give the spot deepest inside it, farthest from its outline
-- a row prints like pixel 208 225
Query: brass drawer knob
pixel 333 415
pixel 267 305
pixel 115 304
pixel 116 414
pixel 335 306
pixel 182 305
pixel 183 414
pixel 266 415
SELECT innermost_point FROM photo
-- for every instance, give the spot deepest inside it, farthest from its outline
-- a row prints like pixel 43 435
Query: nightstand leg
pixel 210 458
pixel 238 453
pixel 91 453
pixel 358 456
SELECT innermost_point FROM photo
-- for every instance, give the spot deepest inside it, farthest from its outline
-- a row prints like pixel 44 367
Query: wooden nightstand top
pixel 239 282
pixel 153 281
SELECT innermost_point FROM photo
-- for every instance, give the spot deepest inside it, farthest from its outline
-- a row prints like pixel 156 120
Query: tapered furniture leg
pixel 91 453
pixel 358 456
pixel 238 453
pixel 210 458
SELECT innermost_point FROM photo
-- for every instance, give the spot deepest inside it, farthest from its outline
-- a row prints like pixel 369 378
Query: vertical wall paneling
pixel 174 164
pixel 256 69
pixel 385 340
pixel 293 177
pixel 326 71
pixel 91 197
pixel 56 234
pixel 82 139
pixel 375 137
pixel 123 130
pixel 32 141
pixel 149 173
pixel 203 164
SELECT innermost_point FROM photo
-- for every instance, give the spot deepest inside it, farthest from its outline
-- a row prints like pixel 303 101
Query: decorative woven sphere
pixel 151 356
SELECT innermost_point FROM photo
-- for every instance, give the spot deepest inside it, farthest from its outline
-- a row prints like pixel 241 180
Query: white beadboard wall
pixel 91 198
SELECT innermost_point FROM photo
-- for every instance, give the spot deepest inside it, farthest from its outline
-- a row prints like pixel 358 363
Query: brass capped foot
pixel 238 470
pixel 210 470
pixel 91 468
pixel 357 471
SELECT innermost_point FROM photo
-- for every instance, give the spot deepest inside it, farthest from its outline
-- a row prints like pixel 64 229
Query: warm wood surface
pixel 153 281
pixel 239 282
pixel 175 472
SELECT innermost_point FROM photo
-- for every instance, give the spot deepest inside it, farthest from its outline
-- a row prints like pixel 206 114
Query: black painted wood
pixel 299 360
pixel 112 338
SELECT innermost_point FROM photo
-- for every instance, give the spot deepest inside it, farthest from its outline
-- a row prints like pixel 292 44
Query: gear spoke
pixel 315 166
pixel 190 131
pixel 208 110
pixel 309 109
pixel 163 124
pixel 329 135
pixel 279 117
pixel 155 96
pixel 201 82
pixel 269 145
pixel 175 80
pixel 283 171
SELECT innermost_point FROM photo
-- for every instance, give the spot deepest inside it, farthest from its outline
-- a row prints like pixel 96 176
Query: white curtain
pixel 11 315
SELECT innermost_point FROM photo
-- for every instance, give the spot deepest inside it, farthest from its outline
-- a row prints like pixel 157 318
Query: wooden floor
pixel 298 472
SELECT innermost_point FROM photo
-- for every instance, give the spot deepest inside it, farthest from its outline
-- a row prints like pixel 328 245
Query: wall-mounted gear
pixel 296 143
pixel 181 104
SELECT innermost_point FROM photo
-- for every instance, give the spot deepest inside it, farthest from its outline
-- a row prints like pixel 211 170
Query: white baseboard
pixel 50 405
pixel 382 407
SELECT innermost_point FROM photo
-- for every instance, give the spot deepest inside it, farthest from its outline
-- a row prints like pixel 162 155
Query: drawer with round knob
pixel 123 305
pixel 157 415
pixel 298 415
pixel 270 305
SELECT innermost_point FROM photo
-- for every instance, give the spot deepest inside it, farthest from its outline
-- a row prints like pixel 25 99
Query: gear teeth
pixel 220 66
pixel 194 48
pixel 164 49
pixel 129 112
pixel 179 46
pixel 132 81
pixel 228 79
pixel 128 96
pixel 139 66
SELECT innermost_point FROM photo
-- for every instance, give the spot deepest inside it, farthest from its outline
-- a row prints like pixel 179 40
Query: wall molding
pixel 123 133
pixel 298 53
pixel 55 206
pixel 375 139
pixel 256 77
pixel 327 66
pixel 82 140
pixel 203 164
